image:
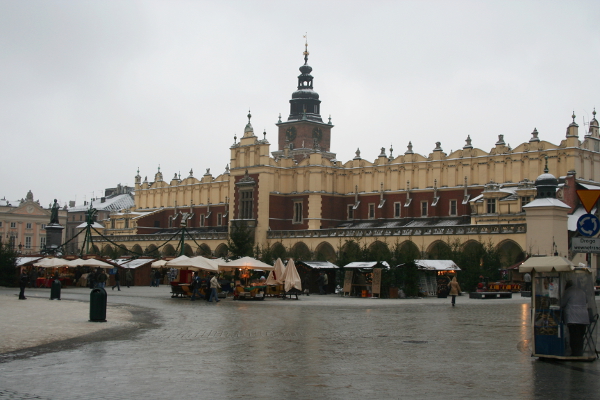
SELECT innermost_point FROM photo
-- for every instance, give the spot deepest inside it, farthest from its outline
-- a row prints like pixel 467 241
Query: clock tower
pixel 304 132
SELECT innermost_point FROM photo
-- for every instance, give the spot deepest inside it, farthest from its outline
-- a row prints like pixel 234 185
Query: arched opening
pixel 137 250
pixel 379 251
pixel 94 250
pixel 168 251
pixel 439 250
pixel 300 251
pixel 350 252
pixel 278 251
pixel 407 251
pixel 187 250
pixel 107 251
pixel 152 251
pixel 325 252
pixel 509 252
pixel 203 250
pixel 221 250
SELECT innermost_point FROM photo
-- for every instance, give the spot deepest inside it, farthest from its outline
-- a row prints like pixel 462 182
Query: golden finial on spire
pixel 306 53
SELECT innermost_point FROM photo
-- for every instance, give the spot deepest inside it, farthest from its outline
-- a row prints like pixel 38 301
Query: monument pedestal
pixel 53 237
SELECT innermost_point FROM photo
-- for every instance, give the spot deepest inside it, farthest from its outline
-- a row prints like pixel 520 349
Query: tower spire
pixel 306 53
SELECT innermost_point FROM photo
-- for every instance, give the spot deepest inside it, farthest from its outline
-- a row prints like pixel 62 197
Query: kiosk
pixel 556 283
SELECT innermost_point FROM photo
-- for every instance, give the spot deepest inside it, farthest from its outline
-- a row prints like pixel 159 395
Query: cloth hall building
pixel 297 195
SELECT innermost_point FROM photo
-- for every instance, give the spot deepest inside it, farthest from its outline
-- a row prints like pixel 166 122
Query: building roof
pixel 437 265
pixel 112 203
pixel 318 264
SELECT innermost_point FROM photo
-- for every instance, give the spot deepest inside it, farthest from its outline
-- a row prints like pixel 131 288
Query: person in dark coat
pixel 321 283
pixel 23 280
pixel 157 278
pixel 117 281
pixel 128 278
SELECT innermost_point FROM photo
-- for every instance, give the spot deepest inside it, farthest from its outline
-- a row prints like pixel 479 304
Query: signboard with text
pixel 585 245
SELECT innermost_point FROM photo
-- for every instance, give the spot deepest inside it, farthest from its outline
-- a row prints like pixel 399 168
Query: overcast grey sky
pixel 92 90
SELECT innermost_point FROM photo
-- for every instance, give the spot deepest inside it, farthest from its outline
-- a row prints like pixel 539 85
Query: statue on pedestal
pixel 54 213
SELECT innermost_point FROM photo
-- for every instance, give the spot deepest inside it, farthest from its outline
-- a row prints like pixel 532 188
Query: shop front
pixel 435 275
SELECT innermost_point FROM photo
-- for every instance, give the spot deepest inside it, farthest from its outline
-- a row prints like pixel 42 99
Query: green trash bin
pixel 55 290
pixel 98 305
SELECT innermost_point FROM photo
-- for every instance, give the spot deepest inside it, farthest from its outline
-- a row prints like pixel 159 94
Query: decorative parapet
pixel 402 231
pixel 163 237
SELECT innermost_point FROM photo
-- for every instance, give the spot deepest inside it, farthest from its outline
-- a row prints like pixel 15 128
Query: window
pixel 112 224
pixel 350 211
pixel 423 209
pixel 397 208
pixel 202 219
pixel 42 242
pixel 28 225
pixel 297 212
pixel 27 242
pixel 524 201
pixel 452 207
pixel 13 224
pixel 246 204
pixel 11 242
pixel 126 222
pixel 43 226
pixel 219 219
pixel 491 206
pixel 371 211
pixel 157 224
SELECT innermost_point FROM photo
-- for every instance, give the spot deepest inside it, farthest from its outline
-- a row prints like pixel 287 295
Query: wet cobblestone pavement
pixel 319 347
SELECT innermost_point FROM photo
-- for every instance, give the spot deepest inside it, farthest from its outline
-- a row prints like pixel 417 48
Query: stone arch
pixel 300 251
pixel 379 251
pixel 94 250
pixel 107 251
pixel 168 251
pixel 137 250
pixel 509 252
pixel 472 246
pixel 407 251
pixel 221 250
pixel 152 250
pixel 121 250
pixel 187 250
pixel 203 250
pixel 278 251
pixel 439 250
pixel 325 252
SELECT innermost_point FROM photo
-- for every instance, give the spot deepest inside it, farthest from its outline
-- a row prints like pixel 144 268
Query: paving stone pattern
pixel 319 347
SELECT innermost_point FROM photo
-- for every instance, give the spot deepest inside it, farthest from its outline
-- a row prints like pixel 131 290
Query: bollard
pixel 98 305
pixel 55 290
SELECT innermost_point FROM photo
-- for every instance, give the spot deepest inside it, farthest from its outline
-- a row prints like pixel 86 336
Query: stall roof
pixel 135 263
pixel 24 260
pixel 318 264
pixel 437 265
pixel 547 264
pixel 366 264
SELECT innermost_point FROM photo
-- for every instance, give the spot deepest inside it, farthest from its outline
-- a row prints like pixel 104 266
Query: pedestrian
pixel 575 309
pixel 102 279
pixel 128 278
pixel 117 281
pixel 157 278
pixel 91 279
pixel 320 282
pixel 454 290
pixel 214 285
pixel 33 277
pixel 527 279
pixel 195 285
pixel 23 280
pixel 325 282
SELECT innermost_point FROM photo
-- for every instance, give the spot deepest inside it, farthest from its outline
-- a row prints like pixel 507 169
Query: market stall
pixel 363 278
pixel 139 268
pixel 243 290
pixel 310 271
pixel 563 309
pixel 435 275
pixel 48 268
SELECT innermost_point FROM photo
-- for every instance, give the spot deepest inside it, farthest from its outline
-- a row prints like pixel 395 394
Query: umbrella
pixel 92 262
pixel 173 262
pixel 159 263
pixel 75 262
pixel 245 263
pixel 291 277
pixel 51 263
pixel 194 263
pixel 275 276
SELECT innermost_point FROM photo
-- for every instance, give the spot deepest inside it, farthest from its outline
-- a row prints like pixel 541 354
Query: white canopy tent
pixel 245 263
pixel 193 263
pixel 290 277
pixel 51 263
pixel 275 276
pixel 547 264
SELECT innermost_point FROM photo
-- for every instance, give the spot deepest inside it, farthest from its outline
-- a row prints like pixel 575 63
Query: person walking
pixel 23 281
pixel 320 282
pixel 102 279
pixel 128 278
pixel 575 308
pixel 195 286
pixel 454 290
pixel 157 278
pixel 325 282
pixel 117 281
pixel 527 280
pixel 214 285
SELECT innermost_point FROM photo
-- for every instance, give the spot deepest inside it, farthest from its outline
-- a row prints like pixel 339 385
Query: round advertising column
pixel 98 305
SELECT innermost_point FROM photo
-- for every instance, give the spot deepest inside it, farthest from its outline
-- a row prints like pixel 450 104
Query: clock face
pixel 29 209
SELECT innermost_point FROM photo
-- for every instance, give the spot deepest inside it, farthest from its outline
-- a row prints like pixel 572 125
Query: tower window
pixel 397 208
pixel 524 201
pixel 219 219
pixel 491 206
pixel 202 220
pixel 371 211
pixel 452 207
pixel 350 212
pixel 423 209
pixel 297 212
pixel 246 204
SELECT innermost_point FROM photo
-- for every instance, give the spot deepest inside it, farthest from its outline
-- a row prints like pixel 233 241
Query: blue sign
pixel 588 225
